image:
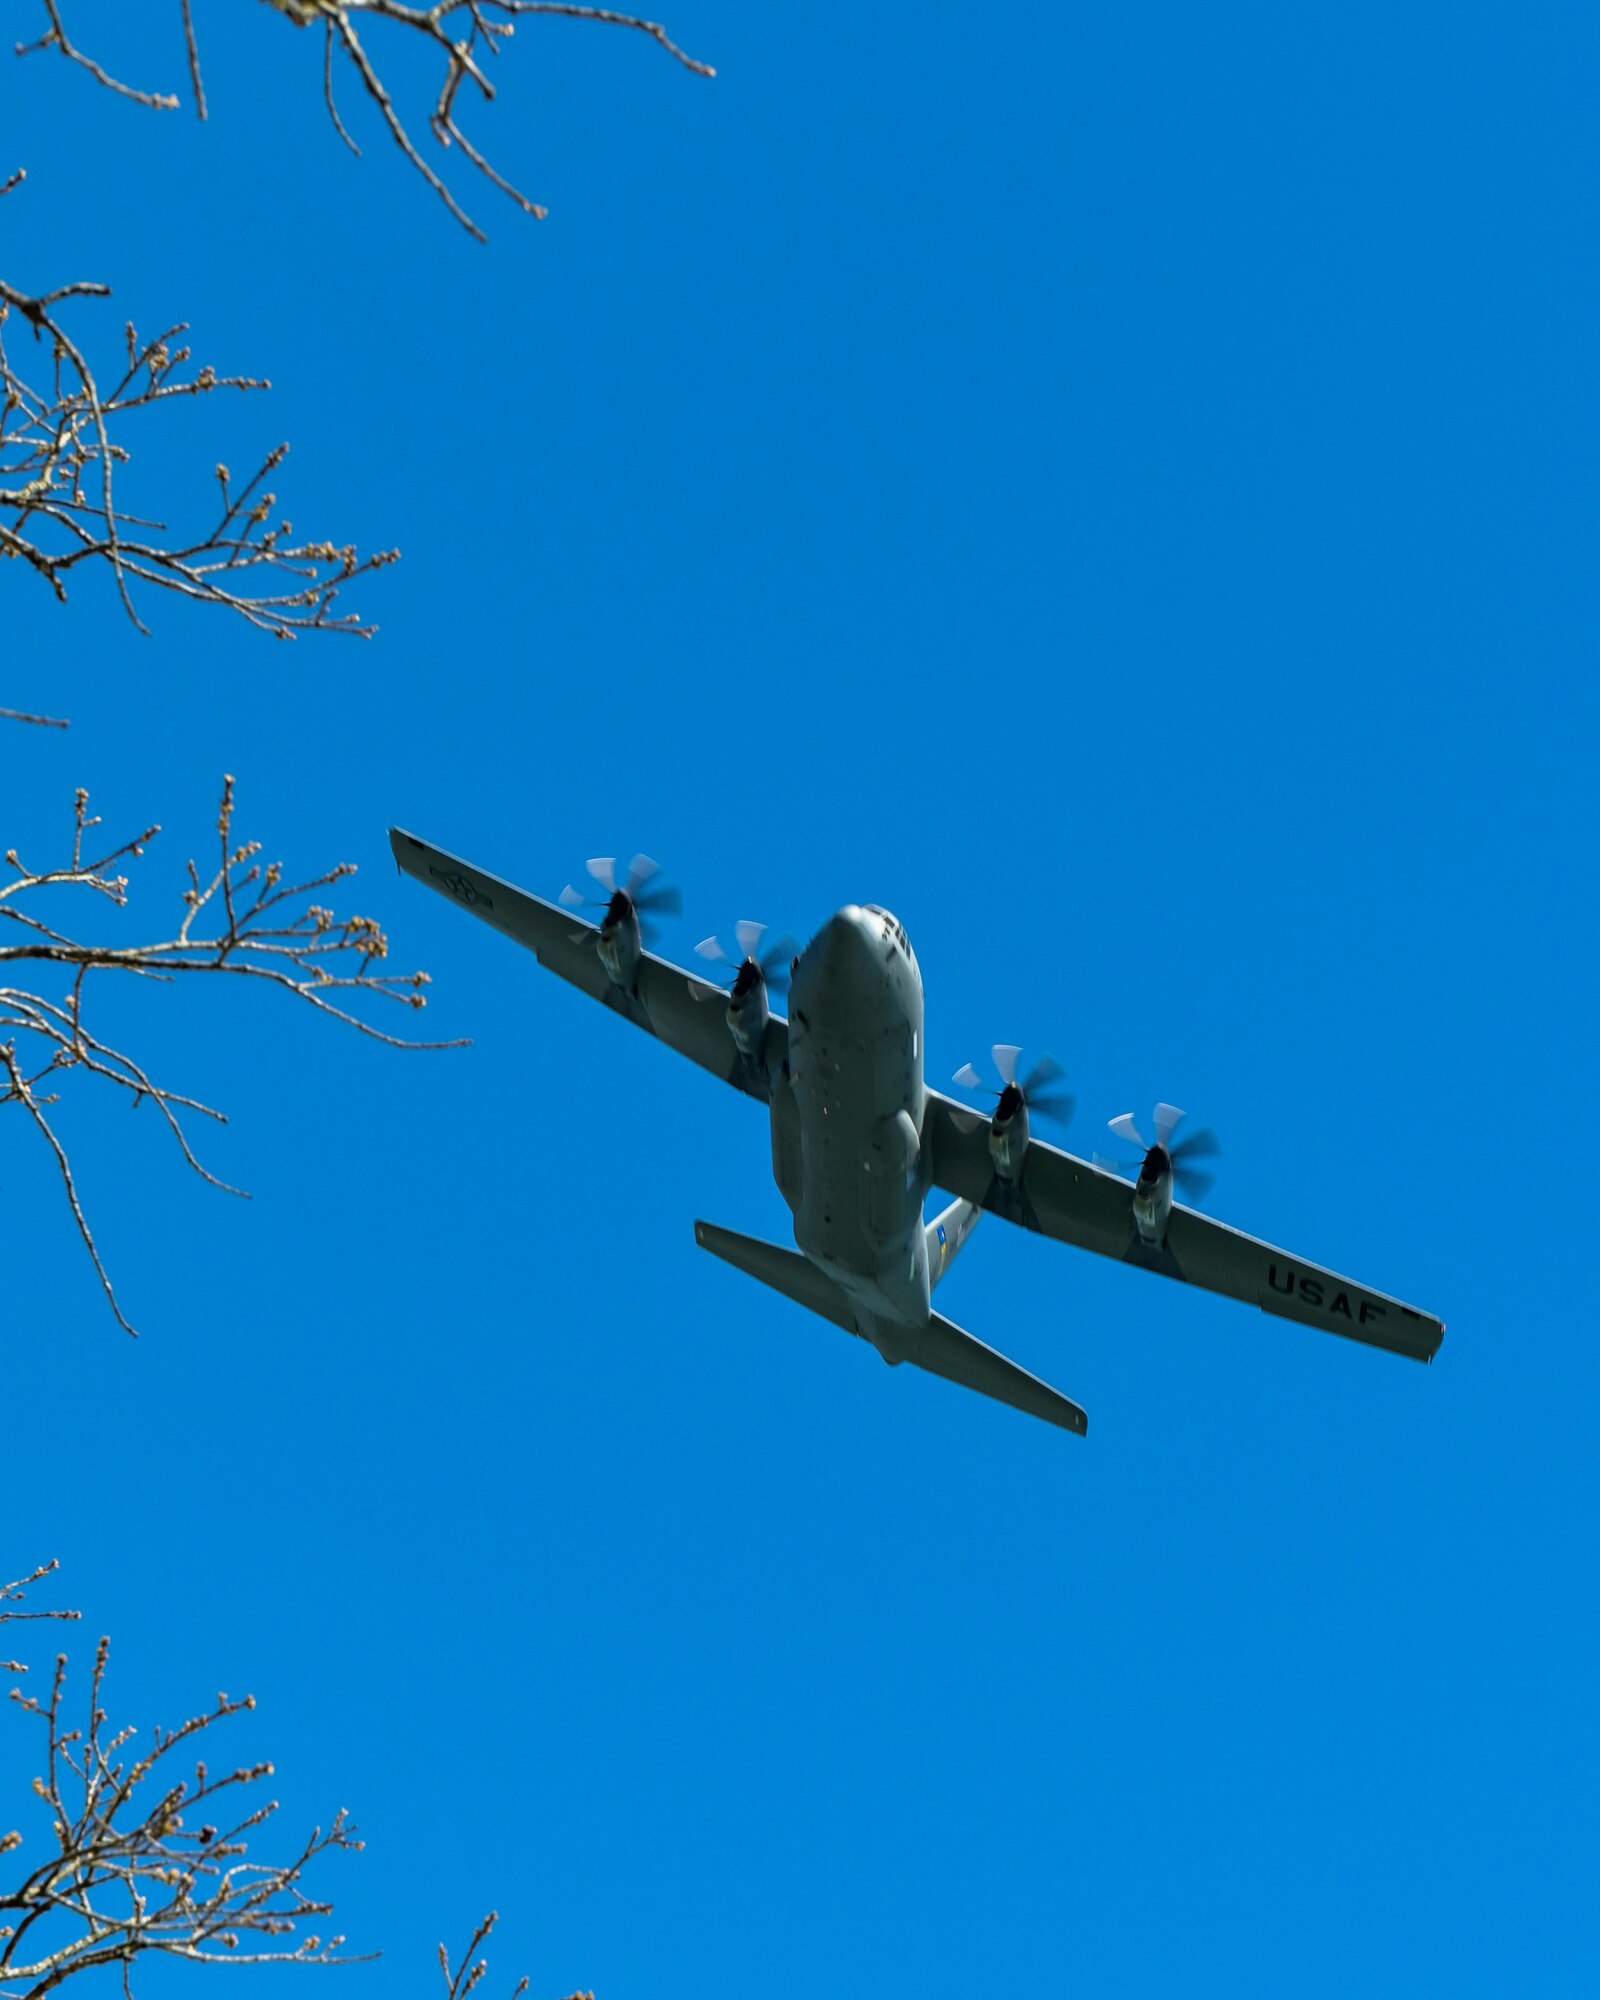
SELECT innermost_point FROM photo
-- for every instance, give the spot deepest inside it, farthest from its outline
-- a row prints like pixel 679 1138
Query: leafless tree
pixel 241 918
pixel 142 1859
pixel 468 35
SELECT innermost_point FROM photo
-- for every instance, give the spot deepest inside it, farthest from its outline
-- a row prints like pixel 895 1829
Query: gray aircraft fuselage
pixel 847 1124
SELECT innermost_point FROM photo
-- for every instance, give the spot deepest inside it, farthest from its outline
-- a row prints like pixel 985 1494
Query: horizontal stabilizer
pixel 939 1347
pixel 945 1350
pixel 785 1271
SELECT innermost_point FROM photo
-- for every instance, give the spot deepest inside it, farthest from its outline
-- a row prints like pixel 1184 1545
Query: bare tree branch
pixel 55 36
pixel 465 33
pixel 467 1974
pixel 13 1593
pixel 125 1877
pixel 242 919
pixel 144 1859
pixel 61 438
pixel 473 1969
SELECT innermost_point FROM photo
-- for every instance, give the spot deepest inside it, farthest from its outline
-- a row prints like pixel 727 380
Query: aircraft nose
pixel 839 958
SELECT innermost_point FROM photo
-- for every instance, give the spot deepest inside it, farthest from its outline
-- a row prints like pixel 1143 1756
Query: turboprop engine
pixel 1008 1127
pixel 1163 1164
pixel 1152 1195
pixel 628 907
pixel 755 973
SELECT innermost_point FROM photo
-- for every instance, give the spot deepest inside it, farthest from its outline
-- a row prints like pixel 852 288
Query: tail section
pixel 938 1347
pixel 946 1234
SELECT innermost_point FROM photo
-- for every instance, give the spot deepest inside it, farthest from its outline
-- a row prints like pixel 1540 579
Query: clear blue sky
pixel 1117 486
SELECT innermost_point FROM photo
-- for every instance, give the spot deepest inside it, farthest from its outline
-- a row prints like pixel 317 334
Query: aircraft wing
pixel 662 1002
pixel 1067 1198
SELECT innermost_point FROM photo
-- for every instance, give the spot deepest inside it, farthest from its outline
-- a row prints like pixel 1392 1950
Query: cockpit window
pixel 892 927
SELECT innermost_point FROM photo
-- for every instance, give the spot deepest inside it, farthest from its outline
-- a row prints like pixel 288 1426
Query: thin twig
pixel 461 30
pixel 21 1092
pixel 56 37
pixel 196 83
pixel 44 721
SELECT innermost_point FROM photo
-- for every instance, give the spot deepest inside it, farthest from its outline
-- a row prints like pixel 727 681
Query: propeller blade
pixel 604 870
pixel 573 899
pixel 968 1078
pixel 641 869
pixel 1167 1120
pixel 1005 1060
pixel 1201 1145
pixel 662 902
pixel 968 1121
pixel 1045 1070
pixel 1125 1128
pixel 700 989
pixel 777 963
pixel 1194 1184
pixel 1121 1168
pixel 710 947
pixel 1057 1104
pixel 749 935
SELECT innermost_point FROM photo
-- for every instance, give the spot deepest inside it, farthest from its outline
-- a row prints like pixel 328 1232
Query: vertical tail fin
pixel 946 1234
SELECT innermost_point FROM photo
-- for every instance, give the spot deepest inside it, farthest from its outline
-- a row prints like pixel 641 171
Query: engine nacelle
pixel 1008 1133
pixel 618 945
pixel 748 1012
pixel 1152 1197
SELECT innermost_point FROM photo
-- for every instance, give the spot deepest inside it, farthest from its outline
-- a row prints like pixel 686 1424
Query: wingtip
pixel 399 835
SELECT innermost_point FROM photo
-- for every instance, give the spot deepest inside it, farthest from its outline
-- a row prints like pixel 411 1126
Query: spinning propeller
pixel 1164 1156
pixel 635 894
pixel 751 965
pixel 1031 1092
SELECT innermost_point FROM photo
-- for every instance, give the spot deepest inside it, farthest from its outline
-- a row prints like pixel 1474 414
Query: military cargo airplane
pixel 858 1138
